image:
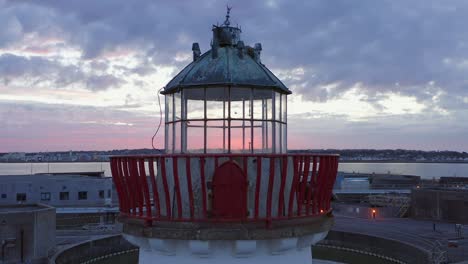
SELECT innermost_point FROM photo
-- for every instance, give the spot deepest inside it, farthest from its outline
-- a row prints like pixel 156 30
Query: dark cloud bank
pixel 416 48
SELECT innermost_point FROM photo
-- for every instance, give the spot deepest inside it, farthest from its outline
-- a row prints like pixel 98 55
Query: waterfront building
pixel 225 191
pixel 84 189
pixel 79 198
pixel 441 204
pixel 27 233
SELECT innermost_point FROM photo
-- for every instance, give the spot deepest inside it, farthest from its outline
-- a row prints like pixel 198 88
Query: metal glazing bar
pixel 251 146
pixel 280 136
pixel 204 121
pixel 183 133
pixel 229 119
pixel 174 125
pixel 243 125
pixel 273 125
pixel 224 122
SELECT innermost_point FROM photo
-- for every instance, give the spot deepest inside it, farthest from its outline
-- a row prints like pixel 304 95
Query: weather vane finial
pixel 227 22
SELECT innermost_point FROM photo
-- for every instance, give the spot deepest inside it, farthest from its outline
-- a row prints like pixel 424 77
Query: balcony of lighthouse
pixel 225 196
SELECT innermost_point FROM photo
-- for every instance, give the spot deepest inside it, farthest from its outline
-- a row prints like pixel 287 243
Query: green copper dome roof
pixel 227 63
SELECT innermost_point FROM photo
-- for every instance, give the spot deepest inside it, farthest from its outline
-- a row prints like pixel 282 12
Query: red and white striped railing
pixel 180 187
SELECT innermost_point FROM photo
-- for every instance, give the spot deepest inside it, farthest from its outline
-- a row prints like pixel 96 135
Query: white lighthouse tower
pixel 226 190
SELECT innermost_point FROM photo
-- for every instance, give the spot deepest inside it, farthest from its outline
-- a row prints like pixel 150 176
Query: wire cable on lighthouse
pixel 160 119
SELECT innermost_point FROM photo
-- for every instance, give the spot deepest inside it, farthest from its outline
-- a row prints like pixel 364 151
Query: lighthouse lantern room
pixel 226 100
pixel 226 190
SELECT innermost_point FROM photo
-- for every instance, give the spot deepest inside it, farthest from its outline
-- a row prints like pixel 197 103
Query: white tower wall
pixel 273 251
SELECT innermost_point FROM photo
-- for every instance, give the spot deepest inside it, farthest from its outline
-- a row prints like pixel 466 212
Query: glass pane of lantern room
pixel 195 137
pixel 169 137
pixel 169 105
pixel 216 102
pixel 277 106
pixel 215 137
pixel 284 139
pixel 177 107
pixel 267 137
pixel 258 137
pixel 262 99
pixel 177 137
pixel 240 136
pixel 278 136
pixel 239 98
pixel 284 107
pixel 195 103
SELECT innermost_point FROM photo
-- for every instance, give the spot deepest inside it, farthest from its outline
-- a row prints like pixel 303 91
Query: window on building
pixel 45 196
pixel 64 196
pixel 101 194
pixel 108 193
pixel 20 197
pixel 4 196
pixel 82 195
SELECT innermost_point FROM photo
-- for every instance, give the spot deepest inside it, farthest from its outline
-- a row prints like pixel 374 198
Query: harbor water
pixel 425 170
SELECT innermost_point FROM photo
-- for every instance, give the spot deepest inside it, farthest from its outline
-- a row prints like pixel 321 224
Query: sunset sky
pixel 84 74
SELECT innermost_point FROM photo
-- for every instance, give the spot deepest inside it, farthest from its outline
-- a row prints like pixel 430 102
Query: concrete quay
pixel 444 244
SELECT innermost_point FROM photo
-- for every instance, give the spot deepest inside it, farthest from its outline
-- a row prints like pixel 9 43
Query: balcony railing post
pixel 154 187
pixel 188 172
pixel 257 186
pixel 312 186
pixel 175 174
pixel 167 195
pixel 146 195
pixel 203 186
pixel 284 171
pixel 294 185
pixel 271 182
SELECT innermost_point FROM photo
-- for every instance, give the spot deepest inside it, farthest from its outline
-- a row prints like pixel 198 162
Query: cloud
pixel 377 44
pixel 39 71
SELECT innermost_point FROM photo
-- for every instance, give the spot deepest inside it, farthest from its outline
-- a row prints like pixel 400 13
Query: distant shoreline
pixel 341 161
pixel 401 161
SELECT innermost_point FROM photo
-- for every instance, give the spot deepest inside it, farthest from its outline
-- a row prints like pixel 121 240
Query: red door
pixel 229 191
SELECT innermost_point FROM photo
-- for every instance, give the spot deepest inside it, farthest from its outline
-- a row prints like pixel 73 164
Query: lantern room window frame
pixel 195 114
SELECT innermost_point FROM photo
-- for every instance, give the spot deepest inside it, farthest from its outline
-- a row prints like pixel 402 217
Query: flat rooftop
pixel 23 208
pixel 53 176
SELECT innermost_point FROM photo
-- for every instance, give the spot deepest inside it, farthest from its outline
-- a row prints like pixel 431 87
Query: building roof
pixel 227 63
pixel 20 208
pixel 49 176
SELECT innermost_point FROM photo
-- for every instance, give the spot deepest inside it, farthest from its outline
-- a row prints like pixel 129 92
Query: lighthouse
pixel 226 190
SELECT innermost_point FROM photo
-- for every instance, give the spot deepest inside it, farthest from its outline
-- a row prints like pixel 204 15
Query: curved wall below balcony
pixel 265 251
